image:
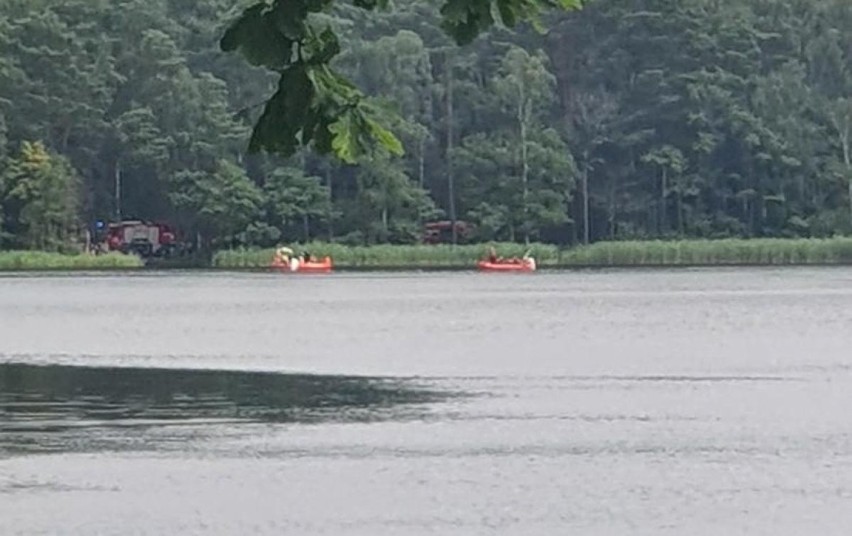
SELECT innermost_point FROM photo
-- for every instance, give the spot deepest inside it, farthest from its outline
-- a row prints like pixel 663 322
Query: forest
pixel 625 120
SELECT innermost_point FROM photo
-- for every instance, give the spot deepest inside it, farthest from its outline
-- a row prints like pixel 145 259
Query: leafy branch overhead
pixel 314 105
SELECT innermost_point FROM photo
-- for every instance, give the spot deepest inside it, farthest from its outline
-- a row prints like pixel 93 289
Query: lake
pixel 692 401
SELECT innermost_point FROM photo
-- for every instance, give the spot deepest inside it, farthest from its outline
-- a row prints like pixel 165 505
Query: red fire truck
pixel 144 238
pixel 441 232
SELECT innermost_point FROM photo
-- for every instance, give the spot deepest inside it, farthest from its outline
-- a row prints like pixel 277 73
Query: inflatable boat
pixel 313 266
pixel 323 265
pixel 526 264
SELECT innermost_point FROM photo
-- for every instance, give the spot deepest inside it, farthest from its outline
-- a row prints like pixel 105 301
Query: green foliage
pixel 466 19
pixel 314 106
pixel 712 252
pixel 390 256
pixel 39 195
pixel 612 254
pixel 389 205
pixel 40 260
pixel 294 200
pixel 219 204
pixel 625 121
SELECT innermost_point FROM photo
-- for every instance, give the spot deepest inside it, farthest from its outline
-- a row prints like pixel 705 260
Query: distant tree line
pixel 627 119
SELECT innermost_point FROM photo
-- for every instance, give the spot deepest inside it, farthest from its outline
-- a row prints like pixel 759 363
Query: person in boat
pixel 306 256
pixel 529 260
pixel 282 255
pixel 492 255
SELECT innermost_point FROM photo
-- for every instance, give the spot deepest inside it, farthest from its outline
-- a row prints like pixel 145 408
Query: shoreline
pixel 732 253
pixel 401 269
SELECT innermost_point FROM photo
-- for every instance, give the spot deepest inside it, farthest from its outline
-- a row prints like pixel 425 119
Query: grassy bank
pixel 712 252
pixel 728 252
pixel 39 260
pixel 604 254
pixel 387 256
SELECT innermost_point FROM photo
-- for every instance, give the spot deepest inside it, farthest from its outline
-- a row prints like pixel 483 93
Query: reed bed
pixel 41 260
pixel 390 256
pixel 729 252
pixel 726 252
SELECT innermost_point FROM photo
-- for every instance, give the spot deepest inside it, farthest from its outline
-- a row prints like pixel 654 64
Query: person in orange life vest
pixel 492 255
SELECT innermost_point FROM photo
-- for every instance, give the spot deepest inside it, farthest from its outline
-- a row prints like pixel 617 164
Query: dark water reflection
pixel 50 408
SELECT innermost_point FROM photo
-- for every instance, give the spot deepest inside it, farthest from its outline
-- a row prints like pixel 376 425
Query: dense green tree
pixel 39 195
pixel 218 204
pixel 524 87
pixel 294 201
pixel 314 105
pixel 651 118
pixel 392 206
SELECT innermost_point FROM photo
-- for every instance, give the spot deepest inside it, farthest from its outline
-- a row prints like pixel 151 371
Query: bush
pixel 770 251
pixel 40 260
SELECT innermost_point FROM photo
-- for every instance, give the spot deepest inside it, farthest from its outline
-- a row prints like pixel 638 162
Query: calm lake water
pixel 617 402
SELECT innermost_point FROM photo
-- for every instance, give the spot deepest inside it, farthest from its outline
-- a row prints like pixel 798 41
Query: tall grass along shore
pixel 731 252
pixel 388 256
pixel 727 252
pixel 40 260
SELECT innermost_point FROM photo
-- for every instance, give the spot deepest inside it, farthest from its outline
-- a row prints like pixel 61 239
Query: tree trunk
pixel 421 167
pixel 663 186
pixel 65 136
pixel 586 228
pixel 847 162
pixel 451 189
pixel 330 208
pixel 562 50
pixel 841 119
pixel 612 212
pixel 117 189
pixel 306 226
pixel 849 179
pixel 523 113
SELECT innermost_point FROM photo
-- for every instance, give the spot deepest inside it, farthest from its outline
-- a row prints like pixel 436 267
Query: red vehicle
pixel 146 239
pixel 441 232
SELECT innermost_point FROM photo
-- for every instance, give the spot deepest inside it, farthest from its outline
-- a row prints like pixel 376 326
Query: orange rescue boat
pixel 312 266
pixel 318 266
pixel 527 264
